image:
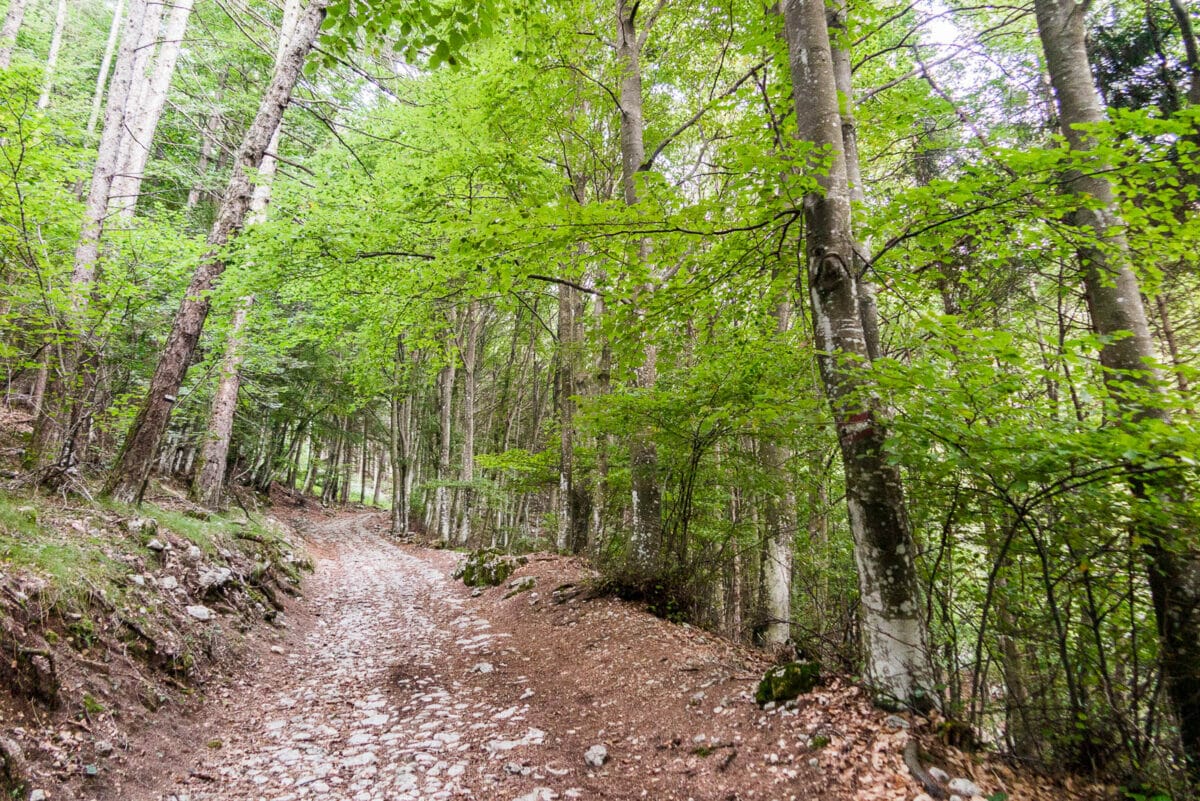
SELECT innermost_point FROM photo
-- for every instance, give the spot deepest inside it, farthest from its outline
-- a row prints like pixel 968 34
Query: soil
pixel 390 680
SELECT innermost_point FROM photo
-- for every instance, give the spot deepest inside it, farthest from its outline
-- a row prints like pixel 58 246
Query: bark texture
pixel 128 479
pixel 144 122
pixel 60 24
pixel 110 47
pixel 894 631
pixel 214 452
pixel 9 30
pixel 65 396
pixel 643 456
pixel 1115 302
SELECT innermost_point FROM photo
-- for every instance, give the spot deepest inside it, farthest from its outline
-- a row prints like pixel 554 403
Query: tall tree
pixel 897 659
pixel 643 457
pixel 210 477
pixel 62 412
pixel 127 481
pixel 1127 355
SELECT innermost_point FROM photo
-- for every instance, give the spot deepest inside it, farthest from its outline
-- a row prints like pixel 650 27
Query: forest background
pixel 866 330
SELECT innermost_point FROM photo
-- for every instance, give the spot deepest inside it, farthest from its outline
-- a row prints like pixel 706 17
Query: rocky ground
pixel 393 681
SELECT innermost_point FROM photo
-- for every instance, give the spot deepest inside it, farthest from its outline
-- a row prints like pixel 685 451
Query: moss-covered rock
pixel 488 567
pixel 785 682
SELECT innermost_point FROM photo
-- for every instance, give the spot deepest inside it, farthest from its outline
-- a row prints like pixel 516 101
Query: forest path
pixel 394 682
pixel 372 699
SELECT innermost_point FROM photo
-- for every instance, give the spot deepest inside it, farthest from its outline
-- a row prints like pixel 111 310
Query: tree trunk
pixel 1115 302
pixel 779 514
pixel 60 22
pixel 643 455
pixel 9 30
pixel 62 410
pixel 210 477
pixel 128 479
pixel 209 142
pixel 110 47
pixel 842 69
pixel 471 329
pixel 897 657
pixel 142 127
pixel 445 399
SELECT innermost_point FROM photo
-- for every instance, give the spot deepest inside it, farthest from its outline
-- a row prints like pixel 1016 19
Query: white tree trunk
pixel 894 631
pixel 141 128
pixel 8 32
pixel 128 479
pixel 214 452
pixel 110 47
pixel 52 423
pixel 60 22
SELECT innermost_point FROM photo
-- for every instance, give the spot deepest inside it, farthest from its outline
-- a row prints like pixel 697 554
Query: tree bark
pixel 110 47
pixel 1115 302
pixel 779 515
pixel 9 30
pixel 60 23
pixel 62 409
pixel 141 129
pixel 897 656
pixel 210 477
pixel 842 68
pixel 445 416
pixel 643 455
pixel 127 482
pixel 471 329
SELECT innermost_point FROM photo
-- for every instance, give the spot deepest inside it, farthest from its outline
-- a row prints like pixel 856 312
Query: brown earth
pixel 396 682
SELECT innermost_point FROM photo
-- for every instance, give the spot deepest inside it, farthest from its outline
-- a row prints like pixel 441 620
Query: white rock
pixel 596 756
pixel 939 775
pixel 201 613
pixel 964 787
pixel 168 582
pixel 538 794
pixel 483 667
pixel 156 545
pixel 194 553
pixel 37 795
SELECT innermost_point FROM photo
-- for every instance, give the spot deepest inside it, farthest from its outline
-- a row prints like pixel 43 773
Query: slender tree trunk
pixel 779 515
pixel 210 478
pixel 128 479
pixel 110 47
pixel 897 656
pixel 471 329
pixel 867 305
pixel 643 455
pixel 63 409
pixel 60 22
pixel 362 466
pixel 574 498
pixel 209 142
pixel 1115 302
pixel 142 127
pixel 445 401
pixel 9 30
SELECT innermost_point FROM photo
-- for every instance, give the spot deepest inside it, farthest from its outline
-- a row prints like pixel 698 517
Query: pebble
pixel 939 775
pixel 156 545
pixel 964 787
pixel 596 756
pixel 201 613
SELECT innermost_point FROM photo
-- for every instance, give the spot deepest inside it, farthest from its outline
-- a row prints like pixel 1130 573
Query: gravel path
pixel 375 700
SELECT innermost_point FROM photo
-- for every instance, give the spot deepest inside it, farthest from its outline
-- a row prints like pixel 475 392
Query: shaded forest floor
pixel 390 680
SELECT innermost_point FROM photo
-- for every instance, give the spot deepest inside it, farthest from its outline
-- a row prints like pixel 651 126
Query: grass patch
pixel 75 563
